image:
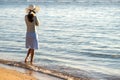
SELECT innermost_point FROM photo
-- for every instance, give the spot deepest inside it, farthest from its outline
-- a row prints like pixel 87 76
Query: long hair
pixel 30 17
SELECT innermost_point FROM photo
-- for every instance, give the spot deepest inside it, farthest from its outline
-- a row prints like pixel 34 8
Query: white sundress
pixel 32 40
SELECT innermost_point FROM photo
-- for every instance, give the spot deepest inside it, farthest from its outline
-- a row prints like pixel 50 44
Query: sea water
pixel 72 37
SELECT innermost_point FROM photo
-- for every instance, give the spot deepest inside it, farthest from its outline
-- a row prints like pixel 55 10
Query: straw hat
pixel 32 8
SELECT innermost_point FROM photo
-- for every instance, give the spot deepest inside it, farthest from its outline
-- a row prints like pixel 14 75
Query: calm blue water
pixel 71 37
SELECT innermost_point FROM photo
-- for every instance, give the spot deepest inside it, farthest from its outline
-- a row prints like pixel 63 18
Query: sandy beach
pixel 8 74
pixel 12 70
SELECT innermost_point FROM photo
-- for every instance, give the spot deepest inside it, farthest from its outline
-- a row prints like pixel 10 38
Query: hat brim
pixel 36 9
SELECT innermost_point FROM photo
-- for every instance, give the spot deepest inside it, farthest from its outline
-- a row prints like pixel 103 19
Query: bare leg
pixel 29 51
pixel 32 55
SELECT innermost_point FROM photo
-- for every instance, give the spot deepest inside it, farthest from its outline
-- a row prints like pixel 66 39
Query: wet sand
pixel 38 72
pixel 25 70
pixel 8 74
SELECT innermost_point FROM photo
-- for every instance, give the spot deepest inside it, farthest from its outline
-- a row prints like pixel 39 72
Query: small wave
pixel 61 75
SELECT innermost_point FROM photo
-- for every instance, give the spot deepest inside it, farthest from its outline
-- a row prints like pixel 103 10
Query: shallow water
pixel 71 37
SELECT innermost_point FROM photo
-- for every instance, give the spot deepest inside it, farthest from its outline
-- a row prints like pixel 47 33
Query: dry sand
pixel 7 74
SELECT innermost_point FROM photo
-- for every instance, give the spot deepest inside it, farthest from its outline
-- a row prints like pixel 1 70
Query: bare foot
pixel 31 62
pixel 25 60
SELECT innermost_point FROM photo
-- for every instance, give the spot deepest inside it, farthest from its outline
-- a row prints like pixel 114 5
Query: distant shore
pixel 8 74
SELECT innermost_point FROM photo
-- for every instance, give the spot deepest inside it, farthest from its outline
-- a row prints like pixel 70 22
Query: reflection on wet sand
pixel 29 72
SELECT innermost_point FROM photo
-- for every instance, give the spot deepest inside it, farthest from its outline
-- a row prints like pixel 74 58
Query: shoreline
pixel 42 73
pixel 29 72
pixel 49 74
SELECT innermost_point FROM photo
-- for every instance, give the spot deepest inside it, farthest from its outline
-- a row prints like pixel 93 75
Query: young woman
pixel 31 34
